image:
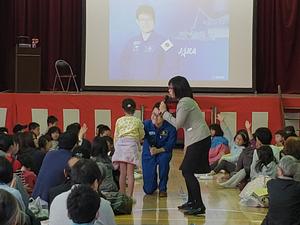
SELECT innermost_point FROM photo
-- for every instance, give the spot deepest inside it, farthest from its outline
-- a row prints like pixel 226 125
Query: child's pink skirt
pixel 126 150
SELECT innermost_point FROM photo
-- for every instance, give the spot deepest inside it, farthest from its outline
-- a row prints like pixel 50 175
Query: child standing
pixel 129 131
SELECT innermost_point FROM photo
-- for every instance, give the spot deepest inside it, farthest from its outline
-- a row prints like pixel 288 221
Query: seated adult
pixel 86 172
pixel 67 184
pixel 52 171
pixel 284 195
pixel 159 140
pixel 292 147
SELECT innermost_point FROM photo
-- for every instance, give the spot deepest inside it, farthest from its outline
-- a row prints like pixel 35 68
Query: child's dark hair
pixel 6 171
pixel 217 128
pixel 53 130
pixel 102 128
pixel 3 130
pixel 33 125
pixel 264 135
pixel 51 120
pixel 129 106
pixel 81 152
pixel 280 132
pixel 43 140
pixel 265 156
pixel 244 136
pixel 27 161
pixel 289 131
pixel 99 147
pixel 83 204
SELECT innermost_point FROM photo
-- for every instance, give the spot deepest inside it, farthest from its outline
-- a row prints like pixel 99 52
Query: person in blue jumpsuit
pixel 160 138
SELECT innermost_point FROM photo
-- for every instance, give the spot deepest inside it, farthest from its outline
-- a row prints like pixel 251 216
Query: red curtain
pixel 7 41
pixel 278 46
pixel 57 23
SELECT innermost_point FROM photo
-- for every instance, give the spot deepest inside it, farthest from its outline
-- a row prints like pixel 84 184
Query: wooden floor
pixel 222 205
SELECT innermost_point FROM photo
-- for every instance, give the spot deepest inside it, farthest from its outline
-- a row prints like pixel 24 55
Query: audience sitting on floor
pixel 236 145
pixel 62 175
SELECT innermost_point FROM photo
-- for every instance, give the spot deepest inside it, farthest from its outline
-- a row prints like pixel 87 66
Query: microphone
pixel 169 100
pixel 166 99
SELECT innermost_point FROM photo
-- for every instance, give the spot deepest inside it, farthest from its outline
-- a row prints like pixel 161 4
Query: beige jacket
pixel 190 118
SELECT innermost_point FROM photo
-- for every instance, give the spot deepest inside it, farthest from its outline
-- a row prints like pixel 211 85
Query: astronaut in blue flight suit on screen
pixel 143 55
pixel 160 138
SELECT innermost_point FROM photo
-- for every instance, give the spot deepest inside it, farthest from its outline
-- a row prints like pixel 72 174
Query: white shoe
pixel 205 177
pixel 137 175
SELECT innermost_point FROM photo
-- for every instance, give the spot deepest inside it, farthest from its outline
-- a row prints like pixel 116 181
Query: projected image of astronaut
pixel 144 55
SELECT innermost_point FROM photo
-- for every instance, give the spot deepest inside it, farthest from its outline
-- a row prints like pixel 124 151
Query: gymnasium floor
pixel 222 205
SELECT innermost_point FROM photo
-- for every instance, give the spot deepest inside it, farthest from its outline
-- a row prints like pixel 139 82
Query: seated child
pixel 83 204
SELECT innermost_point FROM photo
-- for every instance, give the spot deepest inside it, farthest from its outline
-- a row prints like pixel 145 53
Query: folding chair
pixel 64 71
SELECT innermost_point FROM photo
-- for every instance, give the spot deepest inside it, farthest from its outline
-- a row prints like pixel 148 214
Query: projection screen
pixel 138 45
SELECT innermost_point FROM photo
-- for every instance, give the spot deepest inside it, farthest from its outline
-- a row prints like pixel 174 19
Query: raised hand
pixel 248 125
pixel 82 131
pixel 220 118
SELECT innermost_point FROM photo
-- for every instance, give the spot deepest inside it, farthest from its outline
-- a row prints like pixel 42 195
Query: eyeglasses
pixel 156 115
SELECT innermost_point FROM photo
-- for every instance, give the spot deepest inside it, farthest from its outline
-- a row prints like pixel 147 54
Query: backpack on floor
pixel 120 203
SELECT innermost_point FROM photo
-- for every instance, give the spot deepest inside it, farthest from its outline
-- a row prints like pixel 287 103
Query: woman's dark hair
pixel 217 128
pixel 99 147
pixel 10 213
pixel 53 130
pixel 129 105
pixel 181 87
pixel 43 140
pixel 265 156
pixel 244 136
pixel 85 171
pixel 83 204
pixel 6 171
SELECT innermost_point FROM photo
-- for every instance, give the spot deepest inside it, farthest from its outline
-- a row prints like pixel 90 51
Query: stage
pixel 94 108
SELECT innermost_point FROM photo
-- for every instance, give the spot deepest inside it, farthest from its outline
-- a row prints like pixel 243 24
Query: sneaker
pixel 206 177
pixel 163 194
pixel 137 175
pixel 185 206
pixel 195 212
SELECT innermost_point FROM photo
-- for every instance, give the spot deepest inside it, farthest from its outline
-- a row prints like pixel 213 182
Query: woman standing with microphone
pixel 196 140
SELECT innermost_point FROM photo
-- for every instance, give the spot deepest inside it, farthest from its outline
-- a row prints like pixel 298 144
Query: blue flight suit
pixel 142 60
pixel 163 137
